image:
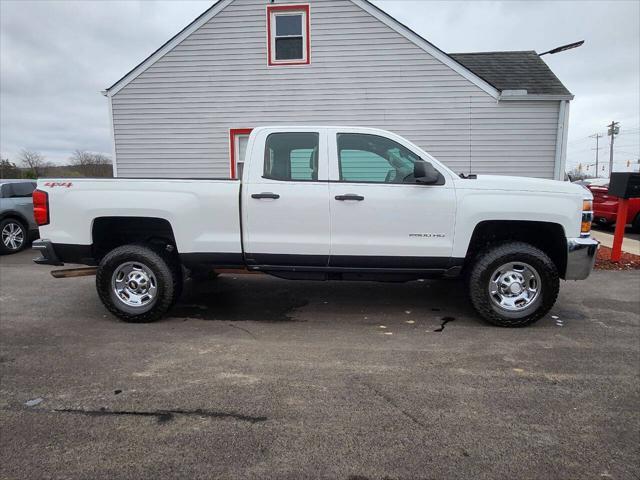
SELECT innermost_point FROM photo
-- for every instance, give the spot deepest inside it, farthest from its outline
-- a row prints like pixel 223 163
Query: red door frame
pixel 233 133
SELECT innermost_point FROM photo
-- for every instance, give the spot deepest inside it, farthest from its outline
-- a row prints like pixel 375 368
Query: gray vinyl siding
pixel 173 120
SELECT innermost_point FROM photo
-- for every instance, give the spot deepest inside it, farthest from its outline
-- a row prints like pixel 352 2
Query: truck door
pixel 380 216
pixel 285 199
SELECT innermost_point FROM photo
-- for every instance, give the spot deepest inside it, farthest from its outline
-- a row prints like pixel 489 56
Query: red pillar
pixel 621 222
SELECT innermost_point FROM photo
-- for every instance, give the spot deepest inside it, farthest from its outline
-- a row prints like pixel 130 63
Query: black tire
pixel 11 226
pixel 492 259
pixel 159 271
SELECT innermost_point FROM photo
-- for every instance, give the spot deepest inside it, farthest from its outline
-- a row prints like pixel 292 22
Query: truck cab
pixel 345 201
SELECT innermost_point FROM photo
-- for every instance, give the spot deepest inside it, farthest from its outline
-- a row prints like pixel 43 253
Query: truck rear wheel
pixel 137 283
pixel 513 284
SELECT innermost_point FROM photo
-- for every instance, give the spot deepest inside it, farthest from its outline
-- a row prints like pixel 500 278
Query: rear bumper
pixel 61 253
pixel 581 257
pixel 48 255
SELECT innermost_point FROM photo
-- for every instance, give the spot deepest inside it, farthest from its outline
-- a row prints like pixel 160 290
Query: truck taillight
pixel 41 207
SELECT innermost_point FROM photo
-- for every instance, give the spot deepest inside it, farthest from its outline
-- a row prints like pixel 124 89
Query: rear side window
pixel 291 156
pixel 18 190
pixel 23 189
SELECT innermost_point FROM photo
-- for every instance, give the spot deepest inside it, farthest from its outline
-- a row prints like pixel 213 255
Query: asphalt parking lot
pixel 256 377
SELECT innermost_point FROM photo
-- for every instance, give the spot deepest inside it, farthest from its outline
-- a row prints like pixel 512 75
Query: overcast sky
pixel 56 57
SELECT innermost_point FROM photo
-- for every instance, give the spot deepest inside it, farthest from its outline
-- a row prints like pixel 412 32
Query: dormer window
pixel 288 31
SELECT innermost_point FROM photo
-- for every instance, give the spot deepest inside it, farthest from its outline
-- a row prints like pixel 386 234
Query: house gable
pixel 365 5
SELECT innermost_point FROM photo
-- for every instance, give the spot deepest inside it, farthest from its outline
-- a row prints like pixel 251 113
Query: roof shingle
pixel 520 70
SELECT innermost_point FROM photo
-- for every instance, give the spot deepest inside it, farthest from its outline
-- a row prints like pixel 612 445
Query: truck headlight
pixel 587 218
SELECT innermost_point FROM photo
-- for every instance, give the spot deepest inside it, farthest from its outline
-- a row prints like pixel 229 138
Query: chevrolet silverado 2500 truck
pixel 325 203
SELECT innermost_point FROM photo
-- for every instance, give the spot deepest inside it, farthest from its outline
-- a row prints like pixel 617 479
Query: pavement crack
pixel 445 320
pixel 162 416
pixel 244 330
pixel 391 402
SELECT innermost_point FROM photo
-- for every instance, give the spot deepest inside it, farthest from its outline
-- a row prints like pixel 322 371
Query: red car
pixel 605 207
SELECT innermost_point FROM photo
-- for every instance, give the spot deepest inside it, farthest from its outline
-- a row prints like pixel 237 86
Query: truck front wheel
pixel 513 284
pixel 137 283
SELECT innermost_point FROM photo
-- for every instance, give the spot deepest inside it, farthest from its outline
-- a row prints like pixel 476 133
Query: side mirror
pixel 424 173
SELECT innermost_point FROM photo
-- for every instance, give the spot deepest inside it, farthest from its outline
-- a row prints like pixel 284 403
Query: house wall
pixel 173 120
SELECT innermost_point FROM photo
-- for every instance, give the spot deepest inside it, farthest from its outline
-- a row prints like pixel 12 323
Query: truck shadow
pixel 266 299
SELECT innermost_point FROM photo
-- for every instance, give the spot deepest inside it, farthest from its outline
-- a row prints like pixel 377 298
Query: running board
pixel 74 272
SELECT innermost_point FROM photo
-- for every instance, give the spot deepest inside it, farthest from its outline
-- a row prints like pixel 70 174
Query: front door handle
pixel 349 196
pixel 273 196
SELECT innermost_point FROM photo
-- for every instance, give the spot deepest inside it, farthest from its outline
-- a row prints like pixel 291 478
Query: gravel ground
pixel 255 377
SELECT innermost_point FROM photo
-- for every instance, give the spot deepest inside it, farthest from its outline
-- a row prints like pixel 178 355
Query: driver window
pixel 374 159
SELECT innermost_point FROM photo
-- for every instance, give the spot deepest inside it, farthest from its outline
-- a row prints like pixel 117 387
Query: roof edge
pixel 493 51
pixel 201 19
pixel 535 97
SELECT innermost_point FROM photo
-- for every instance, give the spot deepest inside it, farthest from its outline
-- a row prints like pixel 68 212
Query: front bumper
pixel 581 256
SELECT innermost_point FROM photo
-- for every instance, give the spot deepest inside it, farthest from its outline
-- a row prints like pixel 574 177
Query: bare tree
pixel 91 164
pixel 578 173
pixel 34 161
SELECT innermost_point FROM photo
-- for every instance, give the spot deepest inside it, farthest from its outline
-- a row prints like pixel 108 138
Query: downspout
pixel 113 133
pixel 561 141
pixel 563 157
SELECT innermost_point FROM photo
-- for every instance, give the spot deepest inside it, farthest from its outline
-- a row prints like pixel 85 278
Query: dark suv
pixel 17 226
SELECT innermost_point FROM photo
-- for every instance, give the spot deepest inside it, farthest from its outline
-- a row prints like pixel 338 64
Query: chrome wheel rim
pixel 514 286
pixel 12 236
pixel 134 284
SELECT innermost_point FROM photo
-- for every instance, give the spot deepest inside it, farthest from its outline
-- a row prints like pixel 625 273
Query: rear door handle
pixel 349 196
pixel 273 196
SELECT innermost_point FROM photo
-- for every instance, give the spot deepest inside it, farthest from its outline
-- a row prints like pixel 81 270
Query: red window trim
pixel 295 8
pixel 233 133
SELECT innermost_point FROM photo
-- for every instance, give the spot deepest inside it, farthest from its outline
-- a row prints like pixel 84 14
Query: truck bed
pixel 204 214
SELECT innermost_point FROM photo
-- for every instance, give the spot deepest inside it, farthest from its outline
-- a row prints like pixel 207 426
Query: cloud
pixel 56 57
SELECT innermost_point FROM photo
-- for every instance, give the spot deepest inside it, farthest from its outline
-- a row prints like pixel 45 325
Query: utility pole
pixel 597 136
pixel 614 129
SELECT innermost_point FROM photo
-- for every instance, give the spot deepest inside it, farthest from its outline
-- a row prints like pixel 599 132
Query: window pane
pixel 242 146
pixel 289 48
pixel 304 164
pixel 360 166
pixel 288 25
pixel 370 158
pixel 22 189
pixel 291 156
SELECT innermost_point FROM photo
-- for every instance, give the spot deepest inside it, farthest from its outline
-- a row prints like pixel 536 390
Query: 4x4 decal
pixel 58 184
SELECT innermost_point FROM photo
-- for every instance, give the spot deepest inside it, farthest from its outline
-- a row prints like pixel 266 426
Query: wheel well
pixel 15 216
pixel 111 232
pixel 548 237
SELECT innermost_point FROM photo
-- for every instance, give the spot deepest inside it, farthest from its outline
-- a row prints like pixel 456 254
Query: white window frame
pixel 273 11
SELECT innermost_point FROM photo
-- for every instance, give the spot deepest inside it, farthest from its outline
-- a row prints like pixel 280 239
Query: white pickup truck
pixel 324 203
